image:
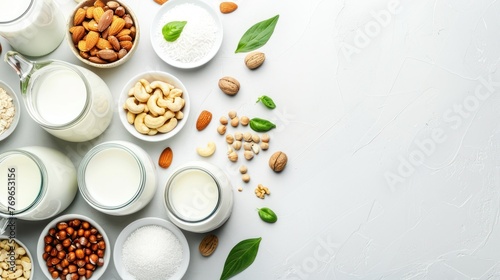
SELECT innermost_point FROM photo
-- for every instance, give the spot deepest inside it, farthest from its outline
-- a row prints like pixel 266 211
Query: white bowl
pixel 118 62
pixel 125 233
pixel 153 76
pixel 3 237
pixel 99 271
pixel 157 37
pixel 17 106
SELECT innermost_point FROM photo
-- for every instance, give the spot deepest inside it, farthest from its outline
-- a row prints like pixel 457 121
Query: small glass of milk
pixel 117 178
pixel 198 197
pixel 32 27
pixel 39 183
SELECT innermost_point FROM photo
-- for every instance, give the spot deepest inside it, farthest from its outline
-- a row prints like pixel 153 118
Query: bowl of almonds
pixel 103 34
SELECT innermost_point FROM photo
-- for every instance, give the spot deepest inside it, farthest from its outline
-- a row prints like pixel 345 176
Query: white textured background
pixel 389 113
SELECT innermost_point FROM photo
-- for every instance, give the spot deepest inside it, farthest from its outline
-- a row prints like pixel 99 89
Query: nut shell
pixel 208 245
pixel 278 161
pixel 229 85
pixel 254 60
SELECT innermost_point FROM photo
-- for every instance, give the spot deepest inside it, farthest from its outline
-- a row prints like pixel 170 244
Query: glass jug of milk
pixel 68 101
pixel 37 183
pixel 32 27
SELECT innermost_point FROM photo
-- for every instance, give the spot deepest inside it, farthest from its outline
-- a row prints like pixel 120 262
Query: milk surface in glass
pixel 113 177
pixel 32 27
pixel 45 182
pixel 193 195
pixel 62 106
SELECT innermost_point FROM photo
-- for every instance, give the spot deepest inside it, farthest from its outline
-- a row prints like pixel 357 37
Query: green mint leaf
pixel 258 35
pixel 240 257
pixel 172 30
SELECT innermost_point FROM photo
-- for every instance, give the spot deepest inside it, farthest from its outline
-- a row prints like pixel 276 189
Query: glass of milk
pixel 68 101
pixel 117 178
pixel 32 27
pixel 37 183
pixel 198 197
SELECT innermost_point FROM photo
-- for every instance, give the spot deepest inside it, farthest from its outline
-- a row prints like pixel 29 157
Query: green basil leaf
pixel 261 125
pixel 172 30
pixel 258 35
pixel 240 257
pixel 267 101
pixel 267 215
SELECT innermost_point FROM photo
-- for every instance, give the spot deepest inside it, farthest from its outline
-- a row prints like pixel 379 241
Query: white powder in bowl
pixel 197 38
pixel 152 252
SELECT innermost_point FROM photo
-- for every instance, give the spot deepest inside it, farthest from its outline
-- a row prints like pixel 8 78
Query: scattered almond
pixel 166 158
pixel 203 120
pixel 227 7
pixel 208 245
pixel 161 2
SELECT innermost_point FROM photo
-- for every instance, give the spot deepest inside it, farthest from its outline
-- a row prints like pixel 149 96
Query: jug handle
pixel 21 65
pixel 4 223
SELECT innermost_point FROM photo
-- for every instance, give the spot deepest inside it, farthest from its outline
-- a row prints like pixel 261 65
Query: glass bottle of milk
pixel 36 183
pixel 68 101
pixel 32 27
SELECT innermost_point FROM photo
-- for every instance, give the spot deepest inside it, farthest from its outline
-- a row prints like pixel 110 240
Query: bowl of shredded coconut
pixel 186 33
pixel 151 248
pixel 9 110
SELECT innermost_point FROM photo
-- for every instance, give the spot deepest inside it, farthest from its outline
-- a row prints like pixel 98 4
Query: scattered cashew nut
pixel 206 151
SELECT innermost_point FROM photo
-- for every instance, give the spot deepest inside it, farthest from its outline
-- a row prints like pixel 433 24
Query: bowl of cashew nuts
pixel 154 106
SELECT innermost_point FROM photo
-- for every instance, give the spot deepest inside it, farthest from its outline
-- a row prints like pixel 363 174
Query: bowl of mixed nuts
pixel 154 106
pixel 102 33
pixel 73 246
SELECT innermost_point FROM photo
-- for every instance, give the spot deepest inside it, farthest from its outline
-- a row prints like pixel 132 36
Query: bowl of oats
pixel 9 110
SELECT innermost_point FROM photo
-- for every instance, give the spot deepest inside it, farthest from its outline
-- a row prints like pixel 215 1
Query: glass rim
pixel 168 202
pixel 82 185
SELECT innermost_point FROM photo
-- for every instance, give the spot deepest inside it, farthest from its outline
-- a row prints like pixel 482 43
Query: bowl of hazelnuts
pixel 102 33
pixel 73 246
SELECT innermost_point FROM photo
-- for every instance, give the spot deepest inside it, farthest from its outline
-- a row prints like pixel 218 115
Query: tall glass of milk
pixel 37 183
pixel 117 178
pixel 198 197
pixel 32 27
pixel 68 101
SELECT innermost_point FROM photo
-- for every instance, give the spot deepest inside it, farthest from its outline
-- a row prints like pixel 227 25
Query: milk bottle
pixel 32 27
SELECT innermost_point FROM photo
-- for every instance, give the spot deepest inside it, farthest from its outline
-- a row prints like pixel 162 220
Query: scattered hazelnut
pixel 223 120
pixel 245 178
pixel 221 129
pixel 244 120
pixel 235 121
pixel 243 169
